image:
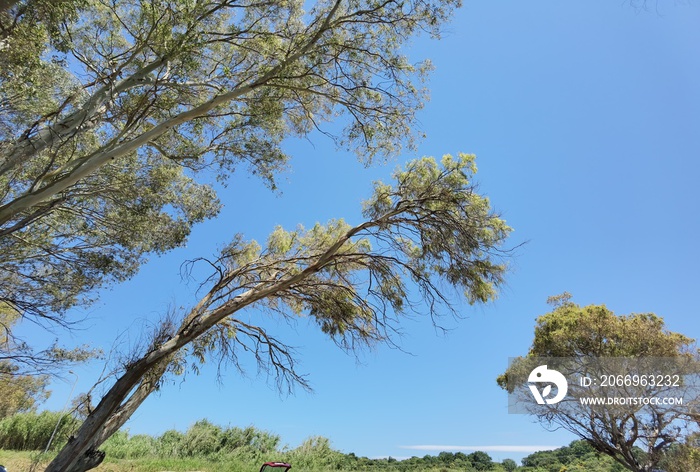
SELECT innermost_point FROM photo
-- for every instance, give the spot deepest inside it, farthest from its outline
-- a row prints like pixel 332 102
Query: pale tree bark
pixel 75 171
pixel 31 145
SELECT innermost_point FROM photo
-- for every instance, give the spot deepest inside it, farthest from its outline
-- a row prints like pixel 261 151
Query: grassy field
pixel 22 462
pixel 206 447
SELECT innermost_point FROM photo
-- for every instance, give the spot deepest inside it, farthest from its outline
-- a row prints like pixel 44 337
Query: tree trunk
pixel 89 460
pixel 142 378
pixel 80 453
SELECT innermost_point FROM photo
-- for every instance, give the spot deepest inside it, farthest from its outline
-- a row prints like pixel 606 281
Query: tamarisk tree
pixel 427 231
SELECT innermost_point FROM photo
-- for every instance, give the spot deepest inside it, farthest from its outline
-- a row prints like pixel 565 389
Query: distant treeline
pixel 246 448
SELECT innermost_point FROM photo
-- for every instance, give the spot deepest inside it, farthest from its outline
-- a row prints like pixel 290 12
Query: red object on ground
pixel 276 464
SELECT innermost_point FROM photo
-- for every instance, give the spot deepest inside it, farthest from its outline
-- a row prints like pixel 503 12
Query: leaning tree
pixel 421 235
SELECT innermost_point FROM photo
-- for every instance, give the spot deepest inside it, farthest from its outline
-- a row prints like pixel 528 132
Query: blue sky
pixel 585 119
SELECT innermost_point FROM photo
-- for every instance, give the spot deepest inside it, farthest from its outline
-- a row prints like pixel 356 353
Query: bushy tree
pixel 578 456
pixel 683 456
pixel 480 460
pixel 21 392
pixel 509 465
pixel 636 435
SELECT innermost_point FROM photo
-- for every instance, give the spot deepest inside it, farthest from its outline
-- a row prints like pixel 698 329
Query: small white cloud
pixel 492 448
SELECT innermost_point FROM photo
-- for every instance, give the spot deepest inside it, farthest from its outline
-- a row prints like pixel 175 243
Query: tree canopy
pixel 115 116
pixel 578 456
pixel 636 435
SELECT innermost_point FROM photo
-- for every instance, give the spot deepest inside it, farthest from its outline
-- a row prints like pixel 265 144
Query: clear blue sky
pixel 585 117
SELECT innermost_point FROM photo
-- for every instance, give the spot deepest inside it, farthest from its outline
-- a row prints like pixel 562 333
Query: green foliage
pixel 683 456
pixel 315 453
pixel 480 460
pixel 509 465
pixel 578 456
pixel 20 393
pixel 428 231
pixel 55 255
pixel 123 446
pixel 113 115
pixel 594 330
pixel 636 437
pixel 32 431
pixel 203 440
pixel 244 449
pixel 29 80
pixel 436 228
pixel 133 207
pixel 457 228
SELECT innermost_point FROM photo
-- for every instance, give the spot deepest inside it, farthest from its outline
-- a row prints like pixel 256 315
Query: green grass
pixel 21 461
pixel 206 447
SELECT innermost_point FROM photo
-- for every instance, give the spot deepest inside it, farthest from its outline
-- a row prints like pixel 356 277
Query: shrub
pixel 32 431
